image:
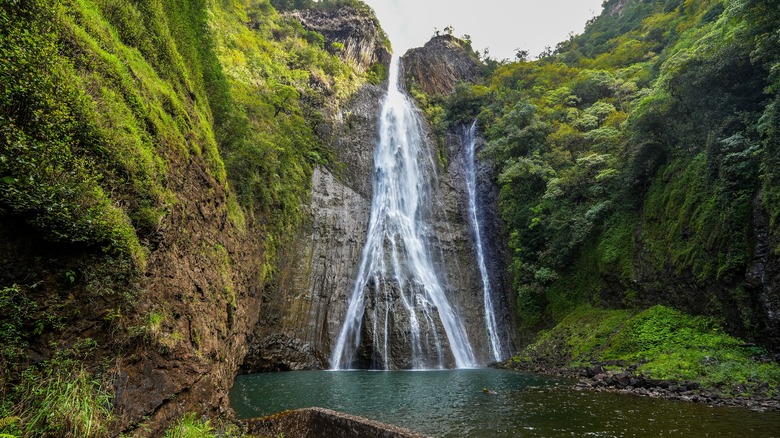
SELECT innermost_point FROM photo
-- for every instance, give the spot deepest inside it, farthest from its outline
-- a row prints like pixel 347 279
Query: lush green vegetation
pixel 59 397
pixel 105 109
pixel 637 165
pixel 663 343
pixel 634 159
pixel 101 96
pixel 190 426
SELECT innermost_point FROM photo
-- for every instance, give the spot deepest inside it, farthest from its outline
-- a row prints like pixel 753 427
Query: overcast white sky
pixel 501 25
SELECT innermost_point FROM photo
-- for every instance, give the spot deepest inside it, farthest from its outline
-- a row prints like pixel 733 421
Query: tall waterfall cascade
pixel 491 326
pixel 397 284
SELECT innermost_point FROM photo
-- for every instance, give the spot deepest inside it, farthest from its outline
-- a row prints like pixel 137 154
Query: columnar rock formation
pixel 303 312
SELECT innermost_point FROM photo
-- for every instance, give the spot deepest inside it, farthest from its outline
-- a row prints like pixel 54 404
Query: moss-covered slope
pixel 637 165
pixel 153 157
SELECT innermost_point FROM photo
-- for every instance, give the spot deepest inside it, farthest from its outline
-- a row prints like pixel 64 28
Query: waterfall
pixel 471 187
pixel 398 300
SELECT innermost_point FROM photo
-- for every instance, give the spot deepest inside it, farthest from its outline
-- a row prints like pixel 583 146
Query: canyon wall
pixel 304 309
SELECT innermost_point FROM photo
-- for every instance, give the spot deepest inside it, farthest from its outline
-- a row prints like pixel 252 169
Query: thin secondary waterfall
pixel 471 186
pixel 398 301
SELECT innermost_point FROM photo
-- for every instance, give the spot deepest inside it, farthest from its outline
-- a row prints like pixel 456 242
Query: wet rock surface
pixel 494 235
pixel 628 381
pixel 303 309
pixel 309 299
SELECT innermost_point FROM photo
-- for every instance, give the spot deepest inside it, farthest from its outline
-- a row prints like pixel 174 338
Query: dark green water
pixel 451 404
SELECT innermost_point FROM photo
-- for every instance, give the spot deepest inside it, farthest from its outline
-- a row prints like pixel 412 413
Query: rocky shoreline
pixel 628 381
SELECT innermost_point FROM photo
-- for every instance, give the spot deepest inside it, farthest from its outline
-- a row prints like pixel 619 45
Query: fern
pixel 6 423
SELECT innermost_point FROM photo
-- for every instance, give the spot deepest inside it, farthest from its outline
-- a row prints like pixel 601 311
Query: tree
pixel 521 55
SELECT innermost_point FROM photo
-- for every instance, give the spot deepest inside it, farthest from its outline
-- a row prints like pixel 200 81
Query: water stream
pixel 398 301
pixel 471 187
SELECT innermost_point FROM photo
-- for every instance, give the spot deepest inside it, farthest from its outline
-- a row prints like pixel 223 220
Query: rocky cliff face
pixel 763 276
pixel 203 281
pixel 455 248
pixel 303 311
pixel 439 65
pixel 364 42
pixel 494 236
pixel 170 337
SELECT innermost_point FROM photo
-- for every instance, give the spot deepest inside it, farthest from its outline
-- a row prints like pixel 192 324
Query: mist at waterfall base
pixel 451 403
pixel 398 300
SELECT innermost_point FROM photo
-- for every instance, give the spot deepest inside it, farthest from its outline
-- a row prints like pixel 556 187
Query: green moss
pixel 665 343
pixel 692 225
pixel 616 248
pixel 672 345
pixel 583 284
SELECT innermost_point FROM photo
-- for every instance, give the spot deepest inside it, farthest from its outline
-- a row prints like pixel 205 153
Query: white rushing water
pixel 396 276
pixel 471 186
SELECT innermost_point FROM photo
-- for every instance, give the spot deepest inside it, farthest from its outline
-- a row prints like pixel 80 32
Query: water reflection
pixel 452 403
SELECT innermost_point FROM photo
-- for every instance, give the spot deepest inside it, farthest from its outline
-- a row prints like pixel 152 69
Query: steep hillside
pixel 155 155
pixel 638 165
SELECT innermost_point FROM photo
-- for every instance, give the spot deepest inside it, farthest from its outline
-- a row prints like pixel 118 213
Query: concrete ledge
pixel 324 423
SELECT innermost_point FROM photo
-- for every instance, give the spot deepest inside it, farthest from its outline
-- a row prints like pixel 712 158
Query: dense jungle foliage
pixel 638 161
pixel 639 164
pixel 102 106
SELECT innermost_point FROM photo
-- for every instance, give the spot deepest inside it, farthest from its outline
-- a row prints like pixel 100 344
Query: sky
pixel 503 26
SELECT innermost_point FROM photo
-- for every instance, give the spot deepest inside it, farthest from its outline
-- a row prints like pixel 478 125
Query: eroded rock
pixel 364 41
pixel 439 65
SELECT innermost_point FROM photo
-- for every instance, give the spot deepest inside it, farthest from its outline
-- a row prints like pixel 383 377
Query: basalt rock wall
pixel 303 310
